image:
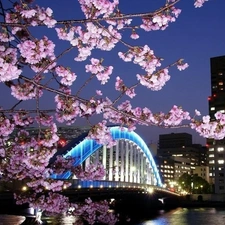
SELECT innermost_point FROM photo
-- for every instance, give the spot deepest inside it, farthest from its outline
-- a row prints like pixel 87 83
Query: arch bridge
pixel 130 160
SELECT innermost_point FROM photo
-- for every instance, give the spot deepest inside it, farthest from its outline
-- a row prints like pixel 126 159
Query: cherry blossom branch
pixel 85 84
pixel 12 109
pixel 26 110
pixel 52 89
pixel 53 61
pixel 142 121
pixel 122 16
pixel 120 40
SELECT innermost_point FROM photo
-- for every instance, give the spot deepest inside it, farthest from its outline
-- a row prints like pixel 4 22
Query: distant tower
pixel 216 152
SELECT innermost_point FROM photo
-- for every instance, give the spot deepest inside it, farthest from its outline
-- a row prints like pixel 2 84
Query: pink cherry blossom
pixel 91 172
pixel 8 71
pixel 182 66
pixel 67 76
pixel 199 3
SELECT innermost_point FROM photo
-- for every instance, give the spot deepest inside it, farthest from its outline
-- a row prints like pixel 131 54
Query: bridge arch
pixel 83 149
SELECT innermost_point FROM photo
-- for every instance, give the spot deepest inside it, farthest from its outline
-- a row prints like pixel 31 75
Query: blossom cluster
pixel 67 76
pixel 95 212
pixel 161 20
pixel 67 108
pixel 25 91
pixel 105 8
pixel 101 72
pixel 101 133
pixel 6 127
pixel 32 16
pixel 90 37
pixel 199 3
pixel 62 164
pixel 91 172
pixel 8 63
pixel 149 62
pixel 211 129
pixel 51 203
pixel 22 119
pixel 34 52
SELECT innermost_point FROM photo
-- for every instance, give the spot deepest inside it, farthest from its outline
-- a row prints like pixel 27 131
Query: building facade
pixel 177 155
pixel 166 169
pixel 216 153
pixel 180 145
pixel 203 172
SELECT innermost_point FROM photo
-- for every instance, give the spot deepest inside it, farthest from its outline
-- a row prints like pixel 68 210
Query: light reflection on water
pixel 180 216
pixel 200 216
pixel 64 220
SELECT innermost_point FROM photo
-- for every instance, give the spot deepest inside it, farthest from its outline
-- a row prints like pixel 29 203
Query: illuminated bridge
pixel 129 164
pixel 130 160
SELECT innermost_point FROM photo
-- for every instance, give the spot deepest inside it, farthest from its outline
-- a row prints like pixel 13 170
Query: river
pixel 192 216
pixel 179 216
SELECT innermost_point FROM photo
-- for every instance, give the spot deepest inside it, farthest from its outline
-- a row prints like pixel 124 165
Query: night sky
pixel 197 35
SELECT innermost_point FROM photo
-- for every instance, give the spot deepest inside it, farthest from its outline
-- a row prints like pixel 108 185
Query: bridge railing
pixel 77 183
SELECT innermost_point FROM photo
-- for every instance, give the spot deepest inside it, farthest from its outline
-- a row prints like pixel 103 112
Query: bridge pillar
pixel 122 155
pixel 135 164
pixel 117 162
pixel 104 158
pixel 87 162
pixel 111 164
pixel 142 168
pixel 131 165
pixel 138 166
pixel 127 162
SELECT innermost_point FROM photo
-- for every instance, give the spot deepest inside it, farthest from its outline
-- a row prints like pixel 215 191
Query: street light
pixel 201 188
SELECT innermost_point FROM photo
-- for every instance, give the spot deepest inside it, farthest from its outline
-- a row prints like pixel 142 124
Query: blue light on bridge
pixel 87 147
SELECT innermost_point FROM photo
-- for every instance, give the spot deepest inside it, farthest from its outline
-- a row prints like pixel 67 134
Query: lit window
pixel 220 149
pixel 221 161
pixel 211 161
pixel 221 83
pixel 211 155
pixel 220 74
pixel 211 149
pixel 212 108
pixel 222 111
pixel 214 86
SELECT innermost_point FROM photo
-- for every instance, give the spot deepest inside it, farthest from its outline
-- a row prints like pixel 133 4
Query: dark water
pixel 180 216
pixel 183 216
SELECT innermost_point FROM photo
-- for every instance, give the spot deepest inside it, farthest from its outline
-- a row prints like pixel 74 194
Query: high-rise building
pixel 217 98
pixel 177 155
pixel 180 145
pixel 216 148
